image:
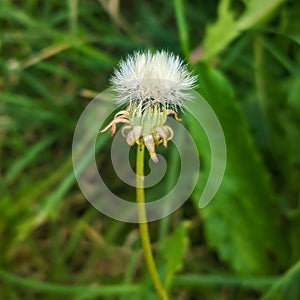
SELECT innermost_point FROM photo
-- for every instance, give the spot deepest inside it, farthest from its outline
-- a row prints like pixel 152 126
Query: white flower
pixel 147 78
pixel 152 86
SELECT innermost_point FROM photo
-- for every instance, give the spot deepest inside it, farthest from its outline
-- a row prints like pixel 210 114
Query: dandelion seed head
pixel 152 86
pixel 146 79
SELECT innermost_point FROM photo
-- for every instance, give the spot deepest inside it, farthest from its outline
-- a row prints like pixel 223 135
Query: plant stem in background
pixel 182 26
pixel 140 195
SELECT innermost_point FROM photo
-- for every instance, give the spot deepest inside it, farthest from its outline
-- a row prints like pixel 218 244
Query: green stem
pixel 67 290
pixel 182 26
pixel 140 195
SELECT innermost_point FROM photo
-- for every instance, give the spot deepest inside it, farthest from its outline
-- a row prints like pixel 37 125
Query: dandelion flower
pixel 151 86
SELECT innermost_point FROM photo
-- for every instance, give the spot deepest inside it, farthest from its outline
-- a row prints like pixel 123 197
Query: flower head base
pixel 152 86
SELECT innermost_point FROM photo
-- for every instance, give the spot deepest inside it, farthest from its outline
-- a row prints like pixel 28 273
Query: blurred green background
pixel 56 56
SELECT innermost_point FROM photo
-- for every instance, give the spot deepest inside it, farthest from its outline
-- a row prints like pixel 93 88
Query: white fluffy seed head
pixel 145 79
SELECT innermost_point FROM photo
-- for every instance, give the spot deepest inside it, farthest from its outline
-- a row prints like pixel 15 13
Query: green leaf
pixel 242 222
pixel 173 250
pixel 287 287
pixel 291 21
pixel 220 34
pixel 21 163
pixel 64 178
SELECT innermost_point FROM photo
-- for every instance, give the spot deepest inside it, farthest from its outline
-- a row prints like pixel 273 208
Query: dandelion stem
pixel 140 195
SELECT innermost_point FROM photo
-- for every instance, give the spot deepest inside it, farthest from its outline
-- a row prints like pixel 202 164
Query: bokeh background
pixel 56 56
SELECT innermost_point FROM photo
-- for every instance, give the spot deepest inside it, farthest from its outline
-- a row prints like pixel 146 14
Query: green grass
pixel 55 56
